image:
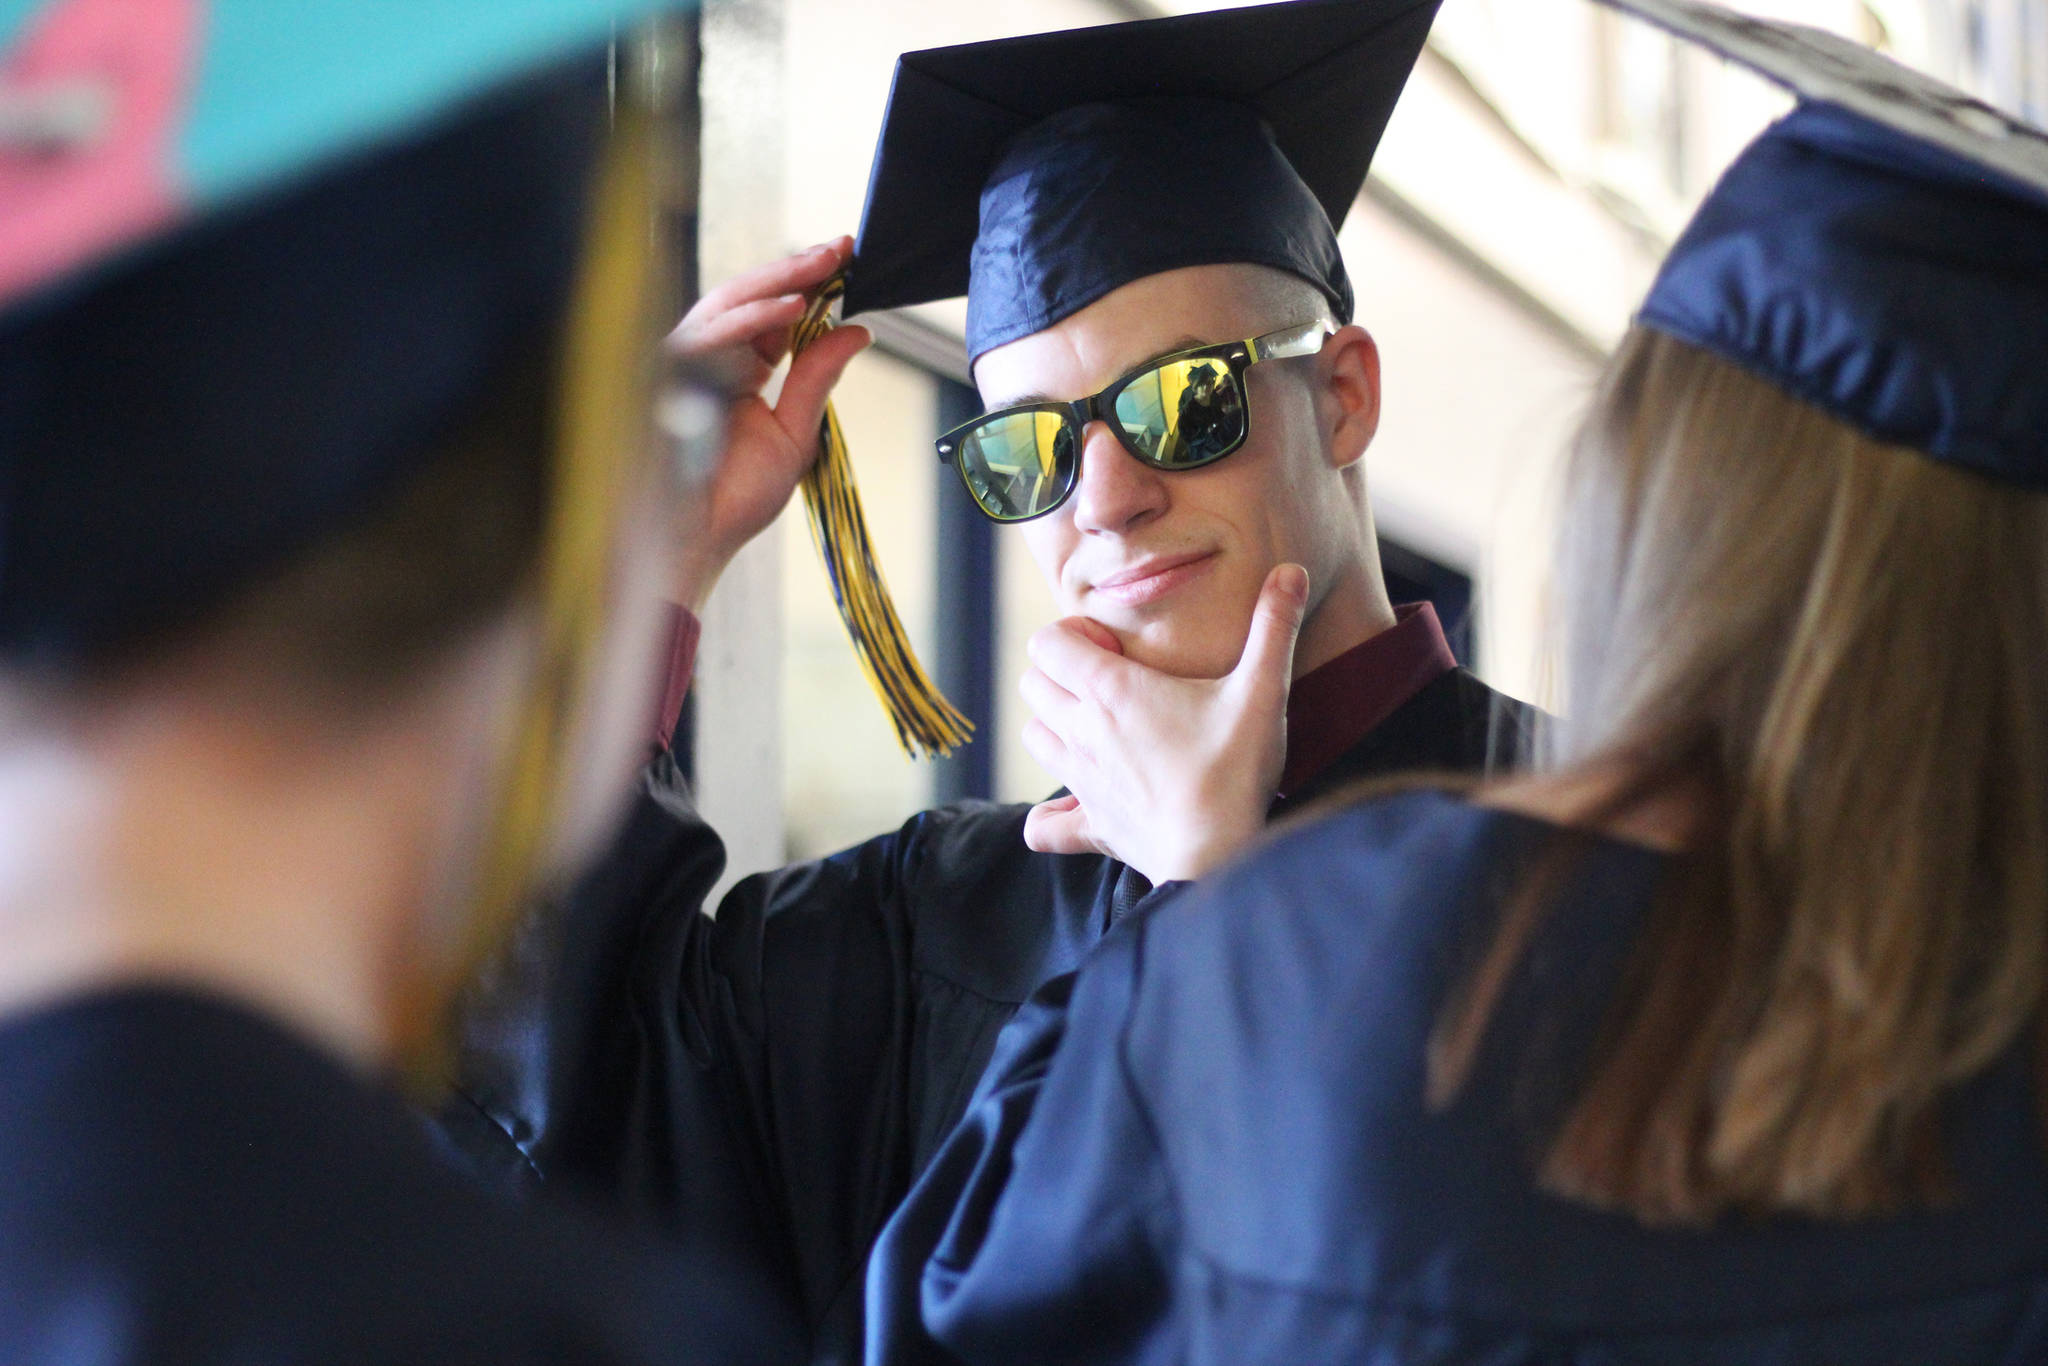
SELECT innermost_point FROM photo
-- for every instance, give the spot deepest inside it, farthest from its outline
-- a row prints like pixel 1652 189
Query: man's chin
pixel 1178 653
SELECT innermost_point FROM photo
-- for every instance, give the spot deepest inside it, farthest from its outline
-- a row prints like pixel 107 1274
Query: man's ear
pixel 1349 368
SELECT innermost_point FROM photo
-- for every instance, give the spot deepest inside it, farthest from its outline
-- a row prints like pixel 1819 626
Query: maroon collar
pixel 1335 705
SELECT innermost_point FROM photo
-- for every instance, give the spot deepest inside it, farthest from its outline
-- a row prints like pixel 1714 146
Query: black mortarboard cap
pixel 1037 174
pixel 1881 252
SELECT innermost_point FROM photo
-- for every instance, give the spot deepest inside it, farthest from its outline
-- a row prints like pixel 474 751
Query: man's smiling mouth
pixel 1153 578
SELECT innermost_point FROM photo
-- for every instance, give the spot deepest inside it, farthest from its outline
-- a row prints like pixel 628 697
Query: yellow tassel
pixel 925 721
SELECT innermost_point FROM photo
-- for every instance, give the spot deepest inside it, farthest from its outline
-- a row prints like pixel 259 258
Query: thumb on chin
pixel 1276 623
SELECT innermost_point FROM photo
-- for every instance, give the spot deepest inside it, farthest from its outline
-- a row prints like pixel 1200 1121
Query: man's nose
pixel 1117 491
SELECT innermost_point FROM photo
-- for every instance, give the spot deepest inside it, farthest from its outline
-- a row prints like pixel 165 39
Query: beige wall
pixel 1478 400
pixel 841 54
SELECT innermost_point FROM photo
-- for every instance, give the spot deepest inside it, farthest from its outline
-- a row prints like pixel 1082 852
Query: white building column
pixel 738 687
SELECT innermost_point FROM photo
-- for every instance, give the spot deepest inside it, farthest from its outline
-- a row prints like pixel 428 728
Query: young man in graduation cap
pixel 324 354
pixel 1142 218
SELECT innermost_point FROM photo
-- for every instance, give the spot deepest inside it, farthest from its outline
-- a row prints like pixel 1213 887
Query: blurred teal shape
pixel 206 101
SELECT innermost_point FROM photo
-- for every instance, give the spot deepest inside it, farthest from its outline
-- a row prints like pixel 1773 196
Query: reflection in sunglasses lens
pixel 1017 466
pixel 1184 413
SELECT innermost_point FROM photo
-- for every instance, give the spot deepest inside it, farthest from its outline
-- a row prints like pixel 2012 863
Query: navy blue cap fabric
pixel 1081 203
pixel 1037 174
pixel 198 409
pixel 1888 282
pixel 1881 253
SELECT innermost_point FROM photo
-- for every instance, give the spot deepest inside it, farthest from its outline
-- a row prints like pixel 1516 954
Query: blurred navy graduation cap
pixel 1881 252
pixel 1037 174
pixel 254 257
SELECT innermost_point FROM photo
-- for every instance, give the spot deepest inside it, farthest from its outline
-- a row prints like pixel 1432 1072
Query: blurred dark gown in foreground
pixel 185 1183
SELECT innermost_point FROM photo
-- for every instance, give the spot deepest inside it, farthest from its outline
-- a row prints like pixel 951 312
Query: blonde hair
pixel 1837 644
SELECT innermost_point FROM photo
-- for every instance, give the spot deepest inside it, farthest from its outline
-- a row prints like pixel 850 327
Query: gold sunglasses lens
pixel 1019 465
pixel 1184 413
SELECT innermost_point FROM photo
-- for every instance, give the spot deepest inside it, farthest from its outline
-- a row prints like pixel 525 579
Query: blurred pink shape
pixel 90 100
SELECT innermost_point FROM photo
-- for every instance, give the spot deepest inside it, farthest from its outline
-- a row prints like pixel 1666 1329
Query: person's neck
pixel 1353 611
pixel 173 848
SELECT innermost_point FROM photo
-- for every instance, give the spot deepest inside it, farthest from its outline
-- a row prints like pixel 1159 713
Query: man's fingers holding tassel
pixel 808 387
pixel 747 324
pixel 759 308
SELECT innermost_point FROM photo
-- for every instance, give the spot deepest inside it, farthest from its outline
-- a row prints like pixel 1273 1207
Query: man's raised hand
pixel 745 327
pixel 1171 775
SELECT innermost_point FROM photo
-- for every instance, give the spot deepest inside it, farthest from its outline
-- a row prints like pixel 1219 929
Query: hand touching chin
pixel 1169 773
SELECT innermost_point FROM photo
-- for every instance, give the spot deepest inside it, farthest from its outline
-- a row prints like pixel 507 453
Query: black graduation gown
pixel 181 1181
pixel 770 1083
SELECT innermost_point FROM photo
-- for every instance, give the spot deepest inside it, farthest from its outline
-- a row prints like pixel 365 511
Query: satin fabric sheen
pixel 1880 279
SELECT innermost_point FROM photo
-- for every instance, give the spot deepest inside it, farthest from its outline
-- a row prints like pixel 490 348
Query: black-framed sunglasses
pixel 1179 412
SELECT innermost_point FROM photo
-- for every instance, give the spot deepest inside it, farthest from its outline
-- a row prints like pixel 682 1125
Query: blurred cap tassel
pixel 925 721
pixel 606 388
